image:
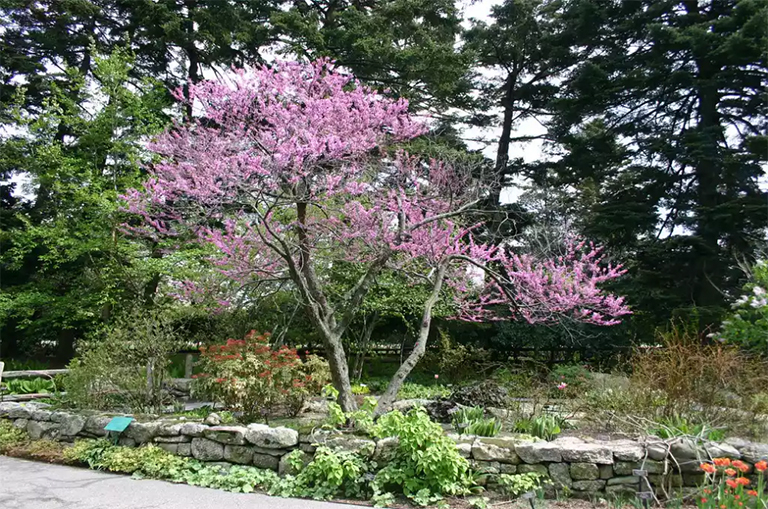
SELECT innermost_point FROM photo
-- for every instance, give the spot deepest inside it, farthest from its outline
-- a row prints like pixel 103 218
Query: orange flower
pixel 732 483
pixel 708 468
pixel 707 491
pixel 752 493
pixel 722 462
pixel 731 472
pixel 741 504
pixel 722 506
pixel 743 481
pixel 760 466
pixel 741 466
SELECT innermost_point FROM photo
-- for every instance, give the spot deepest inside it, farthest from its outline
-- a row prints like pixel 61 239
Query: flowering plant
pixel 728 488
pixel 247 375
pixel 748 324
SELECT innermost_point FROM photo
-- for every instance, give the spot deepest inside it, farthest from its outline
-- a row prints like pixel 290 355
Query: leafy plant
pixel 332 473
pixel 411 390
pixel 569 380
pixel 247 375
pixel 10 435
pixel 546 426
pixel 32 386
pixel 426 464
pixel 676 426
pixel 517 484
pixel 360 389
pixel 472 422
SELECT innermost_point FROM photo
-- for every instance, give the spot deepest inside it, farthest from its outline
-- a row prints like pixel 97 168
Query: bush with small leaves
pixel 11 436
pixel 426 464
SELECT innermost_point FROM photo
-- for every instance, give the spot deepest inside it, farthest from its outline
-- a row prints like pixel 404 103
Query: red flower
pixel 722 462
pixel 743 467
pixel 743 481
pixel 708 468
pixel 732 483
pixel 731 472
pixel 703 500
pixel 760 466
pixel 752 493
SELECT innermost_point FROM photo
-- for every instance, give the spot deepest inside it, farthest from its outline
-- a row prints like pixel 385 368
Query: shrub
pixel 249 376
pixel 747 326
pixel 126 367
pixel 411 390
pixel 426 464
pixel 569 380
pixel 516 484
pixel 695 378
pixel 332 473
pixel 455 361
pixel 11 436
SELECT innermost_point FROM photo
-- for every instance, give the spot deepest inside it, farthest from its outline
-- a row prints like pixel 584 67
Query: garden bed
pixel 585 468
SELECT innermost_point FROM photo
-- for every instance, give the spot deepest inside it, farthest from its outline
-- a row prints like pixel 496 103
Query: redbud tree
pixel 289 169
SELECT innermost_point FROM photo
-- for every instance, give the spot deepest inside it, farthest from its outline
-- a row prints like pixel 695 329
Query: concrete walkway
pixel 30 485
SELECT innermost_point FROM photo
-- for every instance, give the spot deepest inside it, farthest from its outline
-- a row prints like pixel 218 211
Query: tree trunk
pixel 337 360
pixel 364 344
pixel 502 151
pixel 390 395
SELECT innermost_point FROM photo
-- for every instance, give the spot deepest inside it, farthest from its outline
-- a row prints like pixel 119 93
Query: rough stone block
pixel 606 471
pixel 589 486
pixel 465 450
pixel 584 471
pixel 207 450
pixel 753 452
pixel 70 424
pixel 285 468
pixel 539 452
pixel 42 429
pixel 142 432
pixel 629 479
pixel 488 452
pixel 560 474
pixel 231 435
pixel 238 454
pixel 184 449
pixel 272 438
pixel 587 453
pixel 192 429
pixel 386 448
pixel 178 439
pixel 170 447
pixel 266 461
pixel 539 469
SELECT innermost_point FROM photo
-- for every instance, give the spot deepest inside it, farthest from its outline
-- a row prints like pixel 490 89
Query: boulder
pixel 627 451
pixel 10 410
pixel 21 423
pixel 213 419
pixel 483 451
pixel 42 429
pixel 590 486
pixel 171 448
pixel 753 452
pixel 238 454
pixel 271 438
pixel 178 439
pixel 94 425
pixel 606 471
pixel 560 474
pixel 361 446
pixel 539 452
pixel 192 429
pixel 539 469
pixel 184 449
pixel 386 448
pixel 584 471
pixel 465 450
pixel 630 479
pixel 41 415
pixel 207 450
pixel 715 450
pixel 231 435
pixel 574 452
pixel 169 429
pixel 70 424
pixel 142 432
pixel 687 449
pixel 266 461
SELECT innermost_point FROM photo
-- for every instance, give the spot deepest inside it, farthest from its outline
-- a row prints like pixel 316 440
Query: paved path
pixel 30 485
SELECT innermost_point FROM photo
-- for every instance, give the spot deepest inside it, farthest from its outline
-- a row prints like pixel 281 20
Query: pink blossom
pixel 562 385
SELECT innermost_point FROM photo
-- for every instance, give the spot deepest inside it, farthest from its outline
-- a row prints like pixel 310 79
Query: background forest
pixel 641 125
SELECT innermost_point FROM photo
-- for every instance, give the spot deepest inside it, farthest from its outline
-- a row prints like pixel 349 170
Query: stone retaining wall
pixel 587 468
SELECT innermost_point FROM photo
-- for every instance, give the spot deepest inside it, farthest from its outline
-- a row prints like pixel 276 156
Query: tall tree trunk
pixel 363 345
pixel 502 151
pixel 193 69
pixel 390 395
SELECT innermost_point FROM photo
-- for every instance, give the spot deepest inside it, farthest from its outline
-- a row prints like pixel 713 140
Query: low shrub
pixel 410 390
pixel 453 360
pixel 515 485
pixel 125 367
pixel 331 474
pixel 11 436
pixel 677 426
pixel 250 377
pixel 426 464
